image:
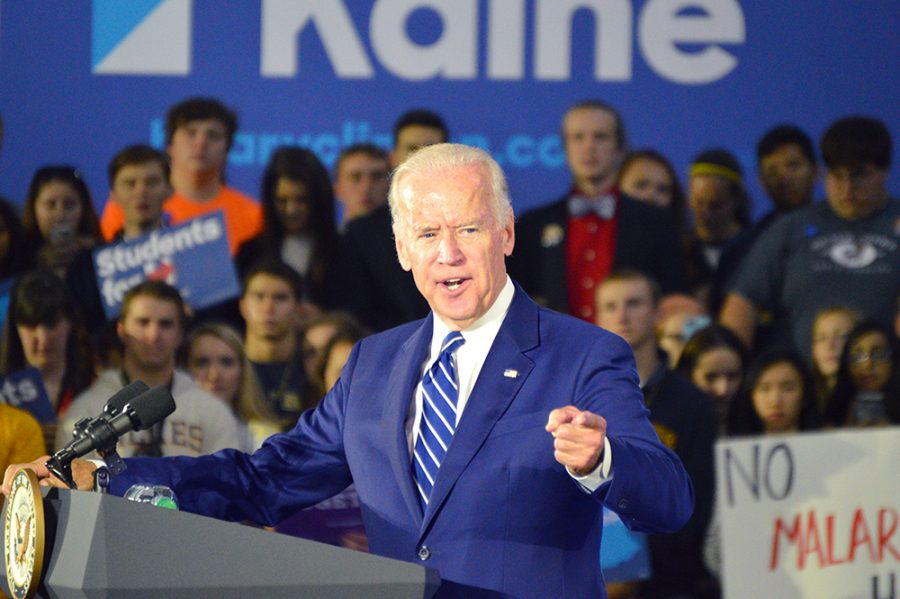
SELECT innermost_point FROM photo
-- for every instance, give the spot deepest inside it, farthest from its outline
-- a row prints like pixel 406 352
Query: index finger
pixel 588 419
pixel 561 416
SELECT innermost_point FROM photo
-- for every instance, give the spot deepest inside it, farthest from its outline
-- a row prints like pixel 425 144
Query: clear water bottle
pixel 158 495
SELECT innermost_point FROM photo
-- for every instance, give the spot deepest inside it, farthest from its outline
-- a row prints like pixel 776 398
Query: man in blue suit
pixel 482 440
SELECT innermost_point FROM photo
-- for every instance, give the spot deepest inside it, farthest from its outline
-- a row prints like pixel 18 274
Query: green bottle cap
pixel 167 503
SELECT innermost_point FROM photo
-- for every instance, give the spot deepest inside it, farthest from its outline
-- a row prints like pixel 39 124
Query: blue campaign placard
pixel 25 389
pixel 624 555
pixel 193 257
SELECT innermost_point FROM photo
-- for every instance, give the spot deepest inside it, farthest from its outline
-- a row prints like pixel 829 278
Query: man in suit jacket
pixel 513 507
pixel 568 247
pixel 367 281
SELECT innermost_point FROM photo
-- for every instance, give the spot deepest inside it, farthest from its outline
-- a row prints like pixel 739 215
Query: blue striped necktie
pixel 440 392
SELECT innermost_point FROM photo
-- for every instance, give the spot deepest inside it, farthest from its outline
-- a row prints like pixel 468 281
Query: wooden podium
pixel 103 546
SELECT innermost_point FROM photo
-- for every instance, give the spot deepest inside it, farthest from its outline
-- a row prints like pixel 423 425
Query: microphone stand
pixel 104 438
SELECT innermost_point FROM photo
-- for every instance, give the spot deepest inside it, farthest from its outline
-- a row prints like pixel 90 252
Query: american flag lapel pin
pixel 510 373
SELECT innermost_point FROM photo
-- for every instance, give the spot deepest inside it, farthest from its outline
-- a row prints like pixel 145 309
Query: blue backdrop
pixel 79 79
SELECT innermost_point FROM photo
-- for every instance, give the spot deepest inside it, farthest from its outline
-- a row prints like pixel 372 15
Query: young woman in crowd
pixel 335 355
pixel 829 335
pixel 777 396
pixel 867 391
pixel 317 332
pixel 58 217
pixel 648 176
pixel 44 331
pixel 214 356
pixel 714 359
pixel 298 214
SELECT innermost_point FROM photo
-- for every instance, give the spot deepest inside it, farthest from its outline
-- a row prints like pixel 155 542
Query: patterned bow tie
pixel 604 208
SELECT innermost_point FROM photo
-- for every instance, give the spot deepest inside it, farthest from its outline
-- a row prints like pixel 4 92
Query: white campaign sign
pixel 811 516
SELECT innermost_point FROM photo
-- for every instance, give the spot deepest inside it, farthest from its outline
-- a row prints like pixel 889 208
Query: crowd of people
pixel 738 328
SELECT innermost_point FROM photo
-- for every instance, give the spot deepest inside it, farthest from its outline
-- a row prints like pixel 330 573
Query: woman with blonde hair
pixel 214 355
pixel 830 330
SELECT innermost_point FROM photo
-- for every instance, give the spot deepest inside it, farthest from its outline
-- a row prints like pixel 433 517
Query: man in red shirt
pixel 199 134
pixel 567 248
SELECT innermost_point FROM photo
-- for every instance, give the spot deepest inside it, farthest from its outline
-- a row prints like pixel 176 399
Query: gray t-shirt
pixel 812 259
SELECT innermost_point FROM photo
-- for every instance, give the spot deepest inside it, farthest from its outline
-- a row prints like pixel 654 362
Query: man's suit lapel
pixel 400 386
pixel 500 379
pixel 553 255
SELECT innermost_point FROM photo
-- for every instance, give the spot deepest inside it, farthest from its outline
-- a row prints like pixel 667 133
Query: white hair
pixel 438 158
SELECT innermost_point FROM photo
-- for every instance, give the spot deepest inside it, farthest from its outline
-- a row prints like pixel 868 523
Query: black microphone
pixel 102 433
pixel 121 397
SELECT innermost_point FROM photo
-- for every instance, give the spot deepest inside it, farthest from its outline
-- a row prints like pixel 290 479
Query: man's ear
pixel 509 236
pixel 402 252
pixel 241 308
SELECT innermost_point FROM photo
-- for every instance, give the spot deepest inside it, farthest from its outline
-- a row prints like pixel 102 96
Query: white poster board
pixel 811 516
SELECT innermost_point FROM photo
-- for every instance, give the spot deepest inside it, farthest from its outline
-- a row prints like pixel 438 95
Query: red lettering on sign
pixel 804 533
pixel 811 542
pixel 829 533
pixel 884 535
pixel 860 535
pixel 793 536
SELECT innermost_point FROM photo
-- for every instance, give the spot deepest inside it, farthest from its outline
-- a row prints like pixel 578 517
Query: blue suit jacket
pixel 504 515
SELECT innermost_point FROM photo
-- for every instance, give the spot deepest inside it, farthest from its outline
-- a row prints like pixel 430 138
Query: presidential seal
pixel 23 535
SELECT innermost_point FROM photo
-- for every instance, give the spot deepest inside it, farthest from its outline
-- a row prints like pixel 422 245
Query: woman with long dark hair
pixel 714 359
pixel 777 396
pixel 867 392
pixel 648 176
pixel 298 220
pixel 44 331
pixel 59 217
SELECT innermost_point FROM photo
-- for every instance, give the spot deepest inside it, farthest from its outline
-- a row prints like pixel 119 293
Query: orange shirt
pixel 243 215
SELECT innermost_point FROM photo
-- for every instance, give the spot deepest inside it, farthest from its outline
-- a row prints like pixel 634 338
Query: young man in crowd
pixel 628 305
pixel 787 165
pixel 361 180
pixel 151 326
pixel 368 282
pixel 842 252
pixel 271 307
pixel 786 161
pixel 199 134
pixel 568 247
pixel 139 184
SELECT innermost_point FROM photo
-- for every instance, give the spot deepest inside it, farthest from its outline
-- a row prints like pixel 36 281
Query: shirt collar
pixel 488 324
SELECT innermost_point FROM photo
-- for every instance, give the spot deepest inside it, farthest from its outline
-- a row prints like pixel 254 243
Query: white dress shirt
pixel 468 360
